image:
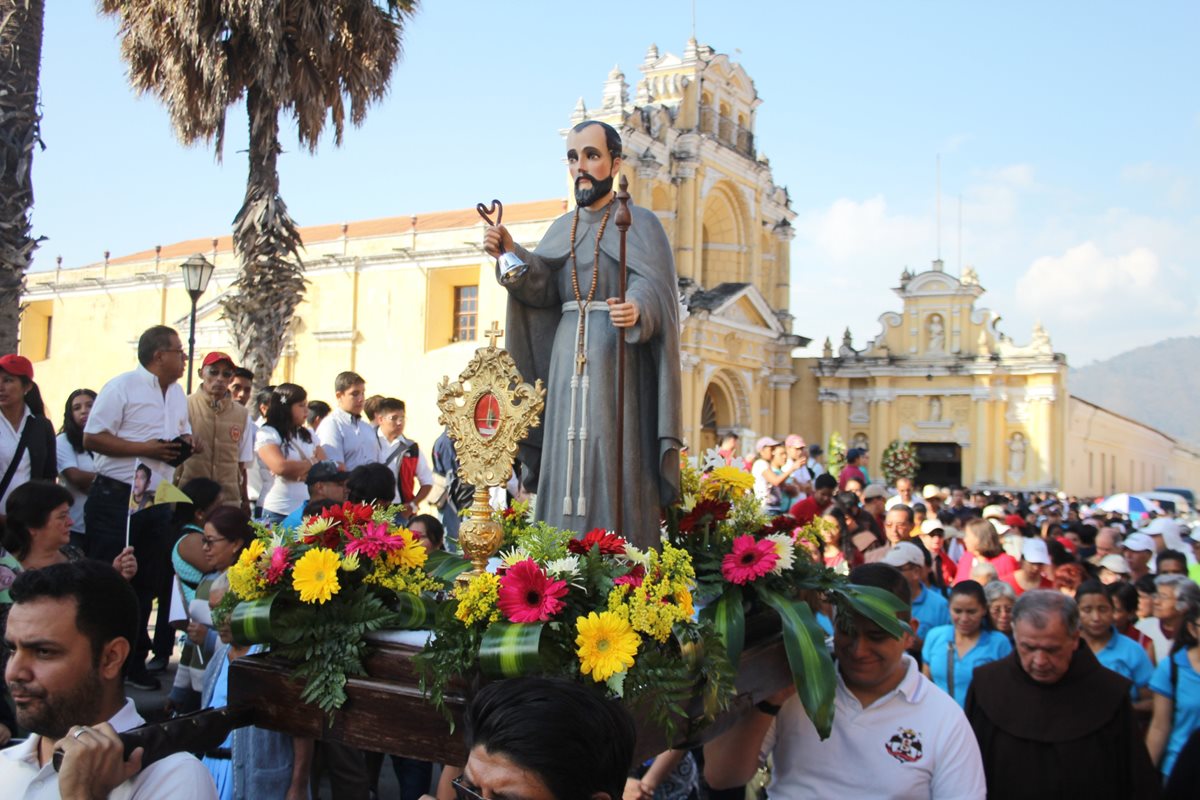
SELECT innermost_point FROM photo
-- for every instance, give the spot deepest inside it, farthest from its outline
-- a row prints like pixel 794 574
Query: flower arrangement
pixel 315 592
pixel 746 564
pixel 595 609
pixel 835 454
pixel 900 461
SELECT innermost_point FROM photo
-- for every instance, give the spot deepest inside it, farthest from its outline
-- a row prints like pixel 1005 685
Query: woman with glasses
pixel 288 449
pixel 1176 681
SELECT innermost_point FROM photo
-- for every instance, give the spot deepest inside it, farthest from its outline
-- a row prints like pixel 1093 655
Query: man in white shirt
pixel 414 479
pixel 69 634
pixel 904 494
pixel 895 734
pixel 139 416
pixel 346 437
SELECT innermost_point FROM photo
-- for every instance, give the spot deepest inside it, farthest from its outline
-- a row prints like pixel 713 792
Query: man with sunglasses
pixel 545 739
pixel 220 424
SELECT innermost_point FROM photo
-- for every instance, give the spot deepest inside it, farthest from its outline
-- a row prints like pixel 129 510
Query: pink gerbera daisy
pixel 279 565
pixel 528 595
pixel 376 539
pixel 749 560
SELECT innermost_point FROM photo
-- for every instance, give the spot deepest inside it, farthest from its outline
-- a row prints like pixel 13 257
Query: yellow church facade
pixel 405 300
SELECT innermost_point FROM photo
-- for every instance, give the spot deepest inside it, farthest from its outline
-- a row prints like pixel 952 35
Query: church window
pixel 466 311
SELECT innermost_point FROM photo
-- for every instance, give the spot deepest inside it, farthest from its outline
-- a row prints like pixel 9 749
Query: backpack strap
pixel 22 445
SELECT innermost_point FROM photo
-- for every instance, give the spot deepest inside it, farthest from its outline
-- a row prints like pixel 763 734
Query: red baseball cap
pixel 17 365
pixel 215 356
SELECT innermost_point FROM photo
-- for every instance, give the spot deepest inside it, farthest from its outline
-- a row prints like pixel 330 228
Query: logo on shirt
pixel 235 433
pixel 905 746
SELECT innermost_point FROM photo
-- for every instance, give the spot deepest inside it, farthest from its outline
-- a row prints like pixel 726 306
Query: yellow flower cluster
pixel 246 578
pixel 730 482
pixel 606 643
pixel 663 600
pixel 477 601
pixel 689 478
pixel 400 570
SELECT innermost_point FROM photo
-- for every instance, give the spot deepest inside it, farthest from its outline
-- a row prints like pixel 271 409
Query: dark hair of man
pixel 906 509
pixel 434 530
pixel 1170 555
pixel 106 606
pixel 972 589
pixel 371 483
pixel 371 407
pixel 1039 605
pixel 144 469
pixel 1145 585
pixel 73 431
pixel 1092 586
pixel 1123 594
pixel 203 493
pixel 233 524
pixel 612 139
pixel 846 501
pixel 29 507
pixel 1087 533
pixel 279 412
pixel 825 481
pixel 346 381
pixel 571 736
pixel 389 404
pixel 317 411
pixel 886 577
pixel 315 507
pixel 920 508
pixel 153 340
pixel 242 372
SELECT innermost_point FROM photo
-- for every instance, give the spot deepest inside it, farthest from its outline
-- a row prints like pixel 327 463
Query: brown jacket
pixel 219 430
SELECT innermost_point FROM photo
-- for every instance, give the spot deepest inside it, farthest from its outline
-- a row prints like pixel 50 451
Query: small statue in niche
pixel 935 409
pixel 1016 454
pixel 937 334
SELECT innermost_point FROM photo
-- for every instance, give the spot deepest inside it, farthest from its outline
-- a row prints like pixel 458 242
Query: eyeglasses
pixel 464 792
pixel 207 542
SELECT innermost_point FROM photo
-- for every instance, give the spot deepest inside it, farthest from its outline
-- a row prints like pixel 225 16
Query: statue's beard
pixel 585 196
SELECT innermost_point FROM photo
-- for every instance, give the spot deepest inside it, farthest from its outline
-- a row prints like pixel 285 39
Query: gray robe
pixel 541 336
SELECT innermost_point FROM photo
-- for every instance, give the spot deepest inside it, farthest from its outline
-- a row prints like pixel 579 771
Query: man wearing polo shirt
pixel 138 416
pixel 346 437
pixel 894 733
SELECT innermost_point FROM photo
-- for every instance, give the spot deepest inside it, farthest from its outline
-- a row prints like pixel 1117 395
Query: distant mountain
pixel 1158 385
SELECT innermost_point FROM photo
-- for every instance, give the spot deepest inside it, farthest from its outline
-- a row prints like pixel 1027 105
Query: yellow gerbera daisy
pixel 315 575
pixel 607 645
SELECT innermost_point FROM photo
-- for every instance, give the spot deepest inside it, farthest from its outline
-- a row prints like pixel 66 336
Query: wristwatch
pixel 768 708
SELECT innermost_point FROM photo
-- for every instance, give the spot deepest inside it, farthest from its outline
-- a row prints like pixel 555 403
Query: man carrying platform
pixel 564 317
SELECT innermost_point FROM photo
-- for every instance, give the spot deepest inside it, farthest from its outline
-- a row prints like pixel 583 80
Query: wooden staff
pixel 623 220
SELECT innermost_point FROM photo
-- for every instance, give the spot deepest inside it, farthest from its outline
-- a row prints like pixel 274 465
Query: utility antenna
pixel 939 206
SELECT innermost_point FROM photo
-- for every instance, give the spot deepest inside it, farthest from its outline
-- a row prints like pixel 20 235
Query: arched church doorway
pixel 716 417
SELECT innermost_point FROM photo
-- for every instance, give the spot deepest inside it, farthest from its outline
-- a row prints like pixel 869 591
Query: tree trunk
pixel 271 282
pixel 20 63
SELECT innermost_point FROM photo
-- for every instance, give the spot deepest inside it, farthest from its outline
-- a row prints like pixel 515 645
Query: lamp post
pixel 196 272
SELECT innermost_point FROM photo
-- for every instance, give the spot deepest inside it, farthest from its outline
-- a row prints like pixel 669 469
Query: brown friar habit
pixel 1073 738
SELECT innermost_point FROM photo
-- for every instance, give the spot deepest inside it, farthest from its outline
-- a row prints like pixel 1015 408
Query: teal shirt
pixel 1127 658
pixel 939 654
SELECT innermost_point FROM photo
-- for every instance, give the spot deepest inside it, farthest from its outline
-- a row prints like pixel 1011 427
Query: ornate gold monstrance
pixel 487 412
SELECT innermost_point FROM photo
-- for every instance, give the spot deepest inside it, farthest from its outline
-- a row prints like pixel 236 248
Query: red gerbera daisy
pixel 749 560
pixel 634 577
pixel 528 595
pixel 610 544
pixel 704 512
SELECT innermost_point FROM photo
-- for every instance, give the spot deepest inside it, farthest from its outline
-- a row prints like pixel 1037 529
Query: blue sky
pixel 1070 130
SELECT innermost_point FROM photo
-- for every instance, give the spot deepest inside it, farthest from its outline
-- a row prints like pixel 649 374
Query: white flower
pixel 637 557
pixel 513 555
pixel 565 568
pixel 316 525
pixel 785 549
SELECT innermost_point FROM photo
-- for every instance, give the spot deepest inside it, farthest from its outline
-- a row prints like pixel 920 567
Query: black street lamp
pixel 196 272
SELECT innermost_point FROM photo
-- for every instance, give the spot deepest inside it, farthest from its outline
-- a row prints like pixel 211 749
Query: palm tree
pixel 308 58
pixel 20 63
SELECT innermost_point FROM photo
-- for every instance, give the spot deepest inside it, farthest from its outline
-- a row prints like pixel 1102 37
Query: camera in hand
pixel 185 450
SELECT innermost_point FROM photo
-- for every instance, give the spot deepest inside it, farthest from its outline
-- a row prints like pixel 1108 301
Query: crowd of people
pixel 1040 630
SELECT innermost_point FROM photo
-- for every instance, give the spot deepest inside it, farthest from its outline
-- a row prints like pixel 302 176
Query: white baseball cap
pixel 1140 541
pixel 1035 552
pixel 903 554
pixel 1116 563
pixel 933 525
